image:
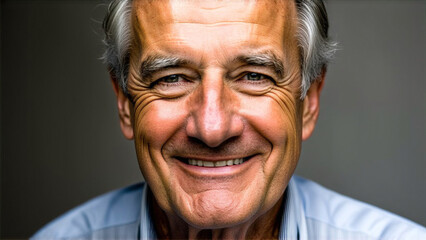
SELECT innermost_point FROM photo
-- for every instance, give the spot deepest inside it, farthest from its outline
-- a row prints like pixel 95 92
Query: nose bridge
pixel 213 115
pixel 213 118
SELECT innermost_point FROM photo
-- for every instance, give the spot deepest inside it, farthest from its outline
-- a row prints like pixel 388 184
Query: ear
pixel 123 105
pixel 311 106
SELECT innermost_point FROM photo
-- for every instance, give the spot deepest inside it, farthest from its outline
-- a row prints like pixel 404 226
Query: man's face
pixel 215 112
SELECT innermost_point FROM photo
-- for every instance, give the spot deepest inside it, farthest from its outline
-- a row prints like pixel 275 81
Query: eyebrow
pixel 156 63
pixel 267 59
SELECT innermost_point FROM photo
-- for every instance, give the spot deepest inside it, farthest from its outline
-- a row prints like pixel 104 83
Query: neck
pixel 263 226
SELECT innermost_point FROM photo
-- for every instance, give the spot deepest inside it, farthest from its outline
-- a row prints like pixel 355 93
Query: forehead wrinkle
pixel 210 12
pixel 153 17
pixel 148 19
pixel 160 12
pixel 206 11
pixel 214 23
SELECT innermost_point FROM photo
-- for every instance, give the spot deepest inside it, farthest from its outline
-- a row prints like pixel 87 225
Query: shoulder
pixel 114 209
pixel 332 214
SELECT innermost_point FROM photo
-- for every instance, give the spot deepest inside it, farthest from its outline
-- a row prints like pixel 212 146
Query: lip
pixel 212 159
pixel 216 172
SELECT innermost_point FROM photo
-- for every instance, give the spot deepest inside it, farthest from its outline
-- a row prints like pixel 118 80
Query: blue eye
pixel 255 76
pixel 170 79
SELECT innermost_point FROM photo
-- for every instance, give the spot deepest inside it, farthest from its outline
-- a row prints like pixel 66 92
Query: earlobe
pixel 123 105
pixel 311 106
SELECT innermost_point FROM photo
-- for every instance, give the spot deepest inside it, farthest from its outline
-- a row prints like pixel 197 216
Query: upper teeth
pixel 201 163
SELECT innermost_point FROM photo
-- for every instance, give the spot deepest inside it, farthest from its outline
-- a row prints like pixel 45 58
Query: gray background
pixel 61 143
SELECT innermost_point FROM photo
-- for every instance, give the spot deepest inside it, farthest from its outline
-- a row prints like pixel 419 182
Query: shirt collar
pixel 293 224
pixel 146 228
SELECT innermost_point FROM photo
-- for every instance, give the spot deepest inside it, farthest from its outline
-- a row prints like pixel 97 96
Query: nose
pixel 213 117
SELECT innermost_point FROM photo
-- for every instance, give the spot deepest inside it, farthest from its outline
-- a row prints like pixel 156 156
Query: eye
pixel 170 79
pixel 253 83
pixel 174 85
pixel 254 76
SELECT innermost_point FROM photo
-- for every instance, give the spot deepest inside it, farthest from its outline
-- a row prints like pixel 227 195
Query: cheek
pixel 288 150
pixel 158 121
pixel 276 116
pixel 289 108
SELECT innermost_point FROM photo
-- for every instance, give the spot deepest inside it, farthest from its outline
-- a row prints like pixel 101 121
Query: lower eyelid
pixel 171 83
pixel 258 82
pixel 261 80
pixel 182 83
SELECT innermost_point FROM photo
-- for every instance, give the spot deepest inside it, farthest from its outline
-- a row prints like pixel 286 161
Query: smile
pixel 220 167
pixel 202 163
pixel 213 164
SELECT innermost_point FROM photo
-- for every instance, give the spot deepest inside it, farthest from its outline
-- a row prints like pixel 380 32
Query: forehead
pixel 211 11
pixel 206 24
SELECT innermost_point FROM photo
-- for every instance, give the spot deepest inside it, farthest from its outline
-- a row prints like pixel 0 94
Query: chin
pixel 215 209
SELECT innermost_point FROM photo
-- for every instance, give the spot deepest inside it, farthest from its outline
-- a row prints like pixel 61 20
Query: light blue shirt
pixel 311 212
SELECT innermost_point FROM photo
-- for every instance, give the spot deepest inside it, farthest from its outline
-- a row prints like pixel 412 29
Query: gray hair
pixel 315 48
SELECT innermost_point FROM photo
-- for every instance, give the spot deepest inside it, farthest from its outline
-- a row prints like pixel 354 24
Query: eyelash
pixel 262 79
pixel 162 81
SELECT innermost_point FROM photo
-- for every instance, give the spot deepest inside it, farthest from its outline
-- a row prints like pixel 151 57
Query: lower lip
pixel 211 172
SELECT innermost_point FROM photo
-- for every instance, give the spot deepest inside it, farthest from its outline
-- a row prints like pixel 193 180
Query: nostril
pixel 214 133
